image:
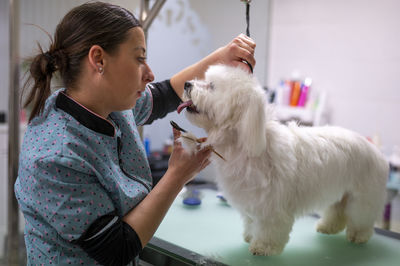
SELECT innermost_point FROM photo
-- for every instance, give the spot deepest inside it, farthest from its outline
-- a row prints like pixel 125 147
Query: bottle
pixel 295 93
pixel 304 92
pixel 147 143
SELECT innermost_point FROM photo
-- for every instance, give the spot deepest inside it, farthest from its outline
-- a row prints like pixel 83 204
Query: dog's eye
pixel 211 86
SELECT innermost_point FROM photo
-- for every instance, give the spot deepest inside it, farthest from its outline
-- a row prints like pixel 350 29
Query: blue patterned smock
pixel 75 167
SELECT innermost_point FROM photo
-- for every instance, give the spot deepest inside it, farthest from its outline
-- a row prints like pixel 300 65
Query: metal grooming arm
pixel 13 135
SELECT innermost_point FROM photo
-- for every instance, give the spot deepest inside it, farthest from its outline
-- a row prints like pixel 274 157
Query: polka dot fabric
pixel 69 175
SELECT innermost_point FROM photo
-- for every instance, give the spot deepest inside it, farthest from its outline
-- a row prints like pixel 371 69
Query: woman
pixel 84 183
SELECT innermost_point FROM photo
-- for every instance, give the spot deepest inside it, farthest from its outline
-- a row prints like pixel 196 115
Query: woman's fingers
pixel 246 43
pixel 249 41
pixel 244 54
pixel 205 163
pixel 205 153
pixel 201 140
pixel 243 48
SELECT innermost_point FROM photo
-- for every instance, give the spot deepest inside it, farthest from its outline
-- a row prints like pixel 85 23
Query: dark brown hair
pixel 94 23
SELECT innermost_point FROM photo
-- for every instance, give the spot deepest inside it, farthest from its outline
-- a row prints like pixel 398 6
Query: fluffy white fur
pixel 274 173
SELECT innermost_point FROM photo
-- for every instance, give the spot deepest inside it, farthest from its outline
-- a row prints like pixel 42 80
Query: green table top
pixel 214 230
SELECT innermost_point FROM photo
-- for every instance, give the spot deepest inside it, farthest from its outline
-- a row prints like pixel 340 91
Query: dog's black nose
pixel 188 86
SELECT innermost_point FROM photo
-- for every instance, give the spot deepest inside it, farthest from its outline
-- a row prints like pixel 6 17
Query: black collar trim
pixel 84 116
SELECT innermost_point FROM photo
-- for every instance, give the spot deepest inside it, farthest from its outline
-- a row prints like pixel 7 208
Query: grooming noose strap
pixel 247 2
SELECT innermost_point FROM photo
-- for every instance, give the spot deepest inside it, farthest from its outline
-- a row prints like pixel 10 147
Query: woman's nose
pixel 148 75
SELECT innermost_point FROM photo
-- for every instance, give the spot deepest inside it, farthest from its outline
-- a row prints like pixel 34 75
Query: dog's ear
pixel 251 128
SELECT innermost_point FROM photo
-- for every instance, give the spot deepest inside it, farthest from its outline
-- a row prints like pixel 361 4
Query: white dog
pixel 273 173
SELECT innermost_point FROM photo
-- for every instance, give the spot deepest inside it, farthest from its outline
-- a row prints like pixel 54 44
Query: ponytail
pixel 42 67
pixel 41 71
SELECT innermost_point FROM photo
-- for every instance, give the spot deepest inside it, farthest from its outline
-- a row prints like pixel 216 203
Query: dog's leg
pixel 270 236
pixel 361 214
pixel 333 220
pixel 248 223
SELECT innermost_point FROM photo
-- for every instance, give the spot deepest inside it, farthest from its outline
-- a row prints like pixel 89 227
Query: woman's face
pixel 127 71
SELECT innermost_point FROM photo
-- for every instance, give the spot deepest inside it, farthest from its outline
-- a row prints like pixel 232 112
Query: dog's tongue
pixel 184 105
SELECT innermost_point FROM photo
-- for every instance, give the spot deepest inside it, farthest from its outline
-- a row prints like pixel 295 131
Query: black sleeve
pixel 165 100
pixel 110 241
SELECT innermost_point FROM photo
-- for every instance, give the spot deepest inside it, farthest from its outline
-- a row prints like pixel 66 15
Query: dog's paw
pixel 330 228
pixel 265 249
pixel 359 236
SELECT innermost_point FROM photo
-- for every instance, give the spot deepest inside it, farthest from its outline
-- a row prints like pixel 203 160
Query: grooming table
pixel 211 234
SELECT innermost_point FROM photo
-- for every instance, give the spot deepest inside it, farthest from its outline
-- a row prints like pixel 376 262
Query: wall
pixel 350 49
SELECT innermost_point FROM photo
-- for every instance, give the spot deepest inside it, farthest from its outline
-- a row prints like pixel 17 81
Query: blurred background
pixel 321 62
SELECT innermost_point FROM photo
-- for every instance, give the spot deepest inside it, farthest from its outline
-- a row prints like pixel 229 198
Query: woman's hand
pixel 237 51
pixel 182 167
pixel 185 165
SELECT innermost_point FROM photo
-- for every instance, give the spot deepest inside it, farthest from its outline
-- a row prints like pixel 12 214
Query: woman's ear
pixel 96 58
